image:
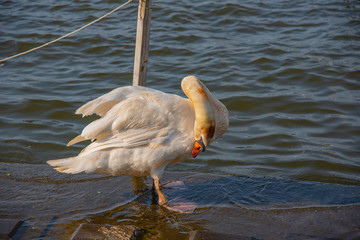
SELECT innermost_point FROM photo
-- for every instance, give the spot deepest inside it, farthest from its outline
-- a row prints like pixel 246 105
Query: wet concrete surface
pixel 207 235
pixel 54 205
pixel 100 232
pixel 8 227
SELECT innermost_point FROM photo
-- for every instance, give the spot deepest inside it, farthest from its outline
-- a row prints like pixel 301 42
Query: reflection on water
pixel 287 71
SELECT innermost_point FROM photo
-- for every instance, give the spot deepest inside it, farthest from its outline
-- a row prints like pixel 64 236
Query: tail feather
pixel 74 164
pixel 65 165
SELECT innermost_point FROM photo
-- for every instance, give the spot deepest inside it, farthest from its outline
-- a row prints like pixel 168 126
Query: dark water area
pixel 288 71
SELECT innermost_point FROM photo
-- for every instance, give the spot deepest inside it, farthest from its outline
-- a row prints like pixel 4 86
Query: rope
pixel 66 35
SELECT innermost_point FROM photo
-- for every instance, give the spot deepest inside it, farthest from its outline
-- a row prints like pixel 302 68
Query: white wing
pixel 131 116
pixel 141 130
pixel 104 103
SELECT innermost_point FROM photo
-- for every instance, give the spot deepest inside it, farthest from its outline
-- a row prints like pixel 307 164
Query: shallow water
pixel 53 205
pixel 287 71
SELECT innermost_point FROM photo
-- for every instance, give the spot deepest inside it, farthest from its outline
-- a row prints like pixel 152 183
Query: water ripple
pixel 287 71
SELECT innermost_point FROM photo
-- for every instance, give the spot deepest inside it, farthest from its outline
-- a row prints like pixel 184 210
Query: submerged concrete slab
pixel 8 227
pixel 97 231
pixel 55 204
pixel 208 235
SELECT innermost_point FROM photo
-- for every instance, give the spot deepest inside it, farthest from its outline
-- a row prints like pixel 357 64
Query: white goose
pixel 142 130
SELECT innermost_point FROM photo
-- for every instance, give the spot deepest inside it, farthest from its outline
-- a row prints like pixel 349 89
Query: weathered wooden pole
pixel 142 42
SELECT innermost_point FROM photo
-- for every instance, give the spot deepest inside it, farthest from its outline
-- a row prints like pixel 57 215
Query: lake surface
pixel 288 71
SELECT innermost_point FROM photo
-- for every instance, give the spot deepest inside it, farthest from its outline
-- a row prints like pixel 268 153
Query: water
pixel 288 71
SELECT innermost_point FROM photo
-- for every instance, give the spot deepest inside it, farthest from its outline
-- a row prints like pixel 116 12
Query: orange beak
pixel 197 148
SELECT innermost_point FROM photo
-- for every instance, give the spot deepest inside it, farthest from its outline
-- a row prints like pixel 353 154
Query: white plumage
pixel 142 130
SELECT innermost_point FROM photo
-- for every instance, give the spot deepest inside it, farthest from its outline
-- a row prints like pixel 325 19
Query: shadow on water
pixel 53 205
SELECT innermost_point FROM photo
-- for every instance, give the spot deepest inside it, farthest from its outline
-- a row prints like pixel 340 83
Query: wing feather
pixel 136 117
pixel 76 140
pixel 104 103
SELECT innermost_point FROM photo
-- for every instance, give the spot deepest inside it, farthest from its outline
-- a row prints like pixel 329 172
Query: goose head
pixel 211 116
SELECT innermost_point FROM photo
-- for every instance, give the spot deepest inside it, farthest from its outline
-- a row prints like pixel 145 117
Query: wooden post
pixel 142 42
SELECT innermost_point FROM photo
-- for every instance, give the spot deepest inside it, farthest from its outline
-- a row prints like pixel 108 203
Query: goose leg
pixel 162 198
